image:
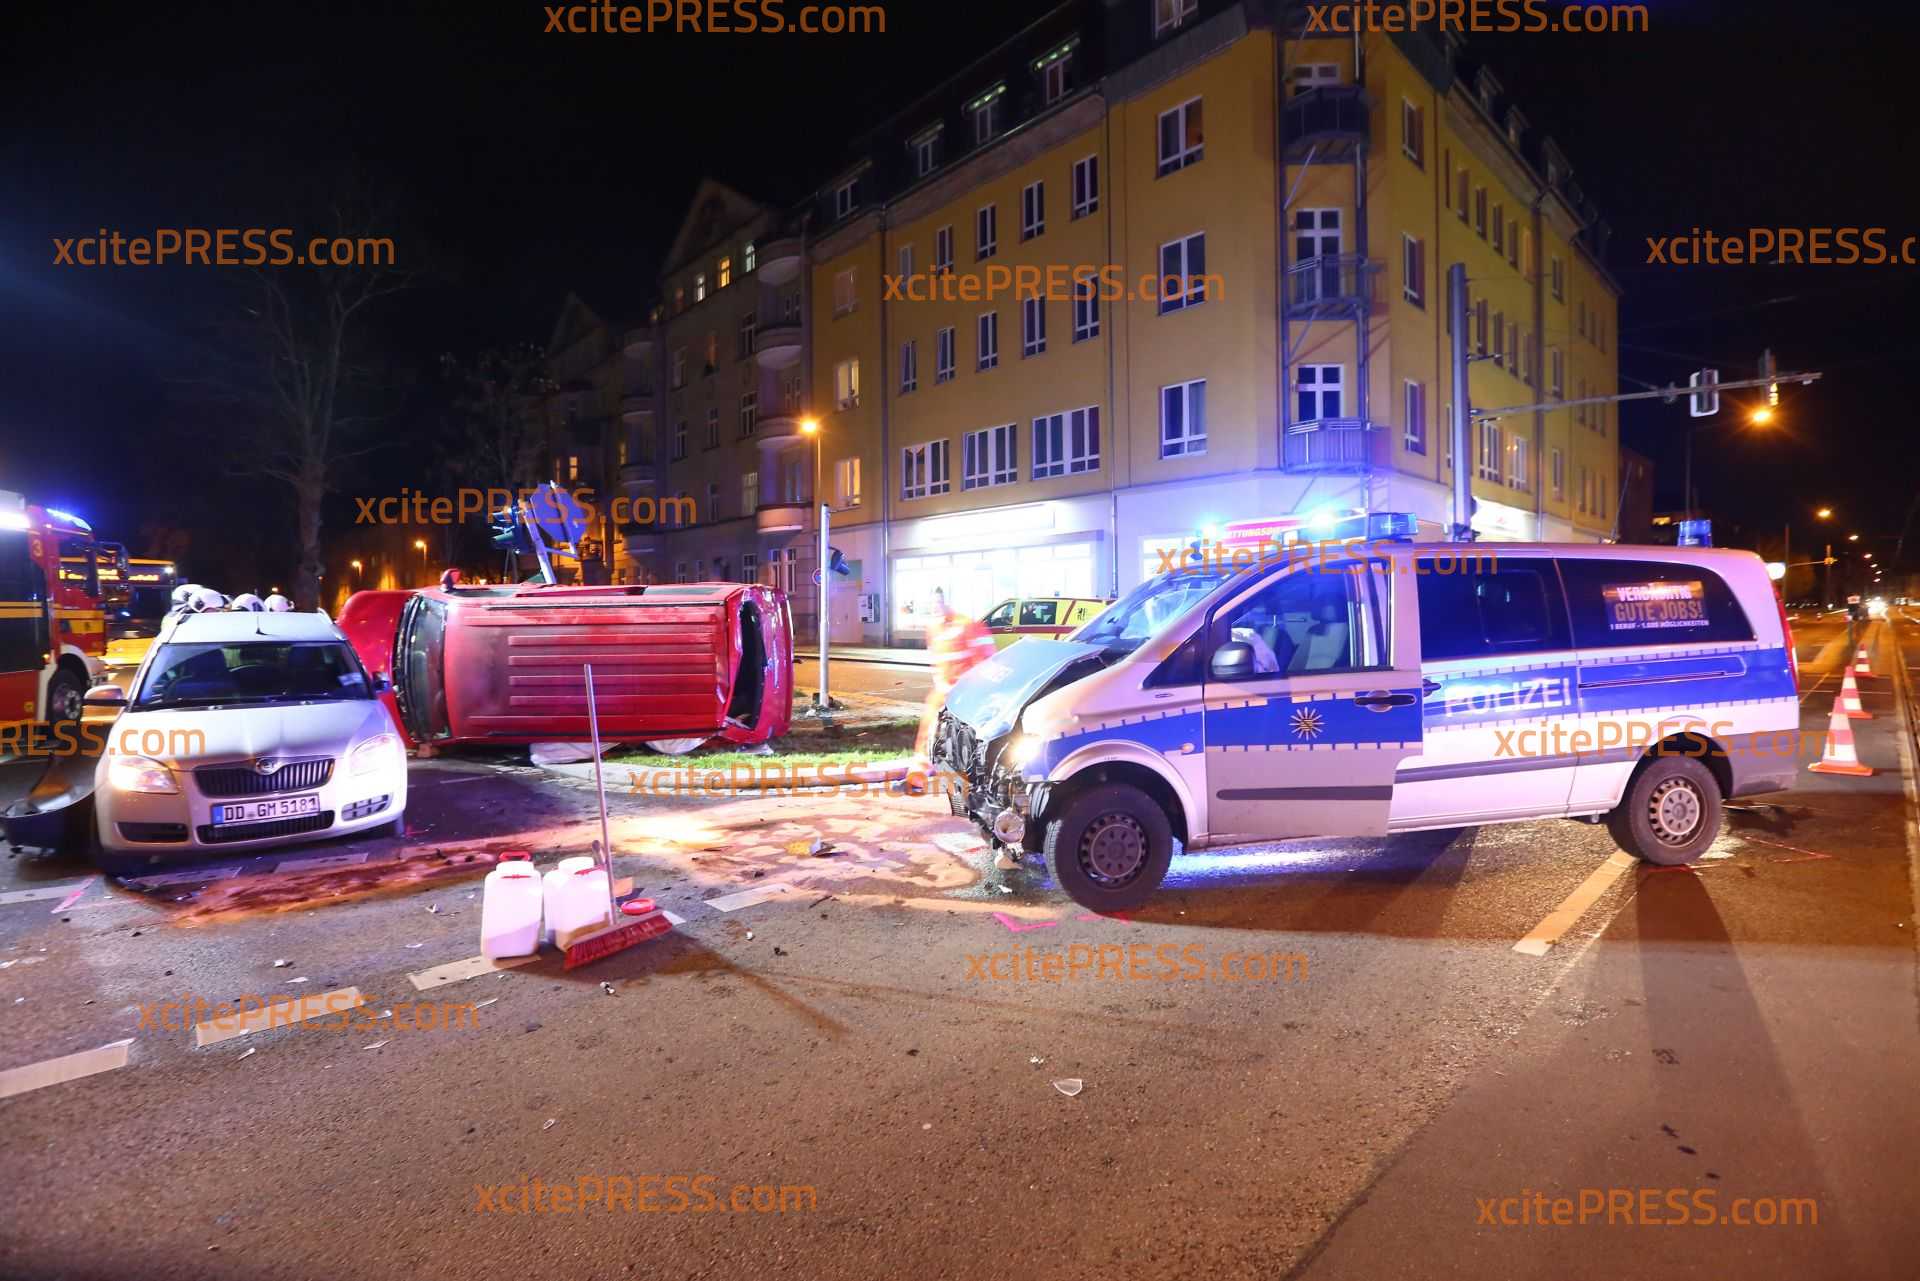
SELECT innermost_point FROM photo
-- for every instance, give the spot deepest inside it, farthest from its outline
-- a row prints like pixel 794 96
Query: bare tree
pixel 304 386
pixel 497 437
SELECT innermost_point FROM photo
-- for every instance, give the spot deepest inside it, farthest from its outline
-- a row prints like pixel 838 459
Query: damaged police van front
pixel 1373 687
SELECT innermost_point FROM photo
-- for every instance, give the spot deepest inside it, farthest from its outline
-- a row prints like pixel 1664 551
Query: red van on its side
pixel 507 664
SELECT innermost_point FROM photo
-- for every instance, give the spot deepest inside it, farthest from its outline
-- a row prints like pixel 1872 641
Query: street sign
pixel 1705 400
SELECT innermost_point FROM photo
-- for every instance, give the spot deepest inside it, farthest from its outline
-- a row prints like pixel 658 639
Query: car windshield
pixel 1130 621
pixel 252 673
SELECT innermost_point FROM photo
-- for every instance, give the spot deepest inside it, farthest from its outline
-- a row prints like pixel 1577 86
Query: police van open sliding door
pixel 1312 698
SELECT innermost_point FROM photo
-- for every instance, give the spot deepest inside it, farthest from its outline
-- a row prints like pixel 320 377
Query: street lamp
pixel 1761 416
pixel 1825 513
pixel 420 545
pixel 823 701
pixel 357 567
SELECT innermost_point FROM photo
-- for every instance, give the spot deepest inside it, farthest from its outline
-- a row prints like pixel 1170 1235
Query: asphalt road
pixel 1747 1027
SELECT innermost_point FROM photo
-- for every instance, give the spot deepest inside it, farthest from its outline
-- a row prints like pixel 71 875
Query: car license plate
pixel 259 811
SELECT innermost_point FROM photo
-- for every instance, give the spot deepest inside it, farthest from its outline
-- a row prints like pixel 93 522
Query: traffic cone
pixel 1860 663
pixel 1849 701
pixel 1838 756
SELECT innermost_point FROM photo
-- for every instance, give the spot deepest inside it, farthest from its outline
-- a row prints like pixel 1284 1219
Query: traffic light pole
pixel 1462 412
pixel 823 701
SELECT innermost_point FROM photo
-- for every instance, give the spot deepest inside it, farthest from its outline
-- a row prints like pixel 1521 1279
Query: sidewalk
pixel 865 654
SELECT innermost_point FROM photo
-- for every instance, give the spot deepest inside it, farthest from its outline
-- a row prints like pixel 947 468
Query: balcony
pixel 637 400
pixel 638 478
pixel 781 517
pixel 1329 124
pixel 778 429
pixel 778 261
pixel 777 345
pixel 1332 285
pixel 1327 444
pixel 637 342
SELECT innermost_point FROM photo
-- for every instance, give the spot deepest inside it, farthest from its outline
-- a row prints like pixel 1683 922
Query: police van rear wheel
pixel 1671 812
pixel 1110 847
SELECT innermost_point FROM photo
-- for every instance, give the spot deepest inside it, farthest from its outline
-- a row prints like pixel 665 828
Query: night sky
pixel 519 165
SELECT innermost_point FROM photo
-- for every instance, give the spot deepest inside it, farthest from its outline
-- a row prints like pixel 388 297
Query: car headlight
pixel 1020 751
pixel 139 774
pixel 377 752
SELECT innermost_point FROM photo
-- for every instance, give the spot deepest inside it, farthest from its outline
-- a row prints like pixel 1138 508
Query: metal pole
pixel 1686 496
pixel 600 790
pixel 1462 412
pixel 826 520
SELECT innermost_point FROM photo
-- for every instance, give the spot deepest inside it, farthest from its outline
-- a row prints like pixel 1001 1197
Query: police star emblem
pixel 1306 723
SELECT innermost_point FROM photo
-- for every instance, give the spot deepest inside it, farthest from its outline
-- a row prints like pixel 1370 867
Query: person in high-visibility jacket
pixel 956 644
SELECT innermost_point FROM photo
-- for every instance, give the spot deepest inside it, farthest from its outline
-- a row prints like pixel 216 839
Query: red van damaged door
pixel 507 664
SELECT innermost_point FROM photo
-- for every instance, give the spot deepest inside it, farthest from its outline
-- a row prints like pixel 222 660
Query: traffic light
pixel 1767 370
pixel 1705 399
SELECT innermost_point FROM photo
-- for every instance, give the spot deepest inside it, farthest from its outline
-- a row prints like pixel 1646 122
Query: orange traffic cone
pixel 1838 757
pixel 1860 663
pixel 1849 701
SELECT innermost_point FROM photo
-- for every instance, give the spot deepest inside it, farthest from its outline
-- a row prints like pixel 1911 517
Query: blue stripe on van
pixel 1601 687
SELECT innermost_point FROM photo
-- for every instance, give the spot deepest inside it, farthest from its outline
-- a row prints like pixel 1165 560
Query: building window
pixel 699 286
pixel 1086 186
pixel 988 331
pixel 1413 133
pixel 790 393
pixel 985 111
pixel 923 470
pixel 925 153
pixel 680 440
pixel 724 276
pixel 1556 373
pixel 743 338
pixel 1499 339
pixel 1317 392
pixel 1586 489
pixel 1415 428
pixel 1559 473
pixel 713 429
pixel 1513 243
pixel 906 263
pixel 1520 463
pixel 846 384
pixel 1056 78
pixel 909 366
pixel 679 368
pixel 943 356
pixel 1183 262
pixel 989 458
pixel 1033 210
pixel 749 412
pixel 790 307
pixel 1033 326
pixel 1557 278
pixel 986 232
pixel 1181 138
pixel 846 292
pixel 620 452
pixel 843 198
pixel 680 571
pixel 846 483
pixel 943 250
pixel 711 365
pixel 1086 307
pixel 1515 362
pixel 1170 15
pixel 749 567
pixel 747 258
pixel 1487 452
pixel 1068 442
pixel 1480 212
pixel 1413 270
pixel 1580 395
pixel 1460 201
pixel 713 500
pixel 1316 234
pixel 573 467
pixel 1315 75
pixel 1499 229
pixel 749 493
pixel 1183 419
pixel 1480 327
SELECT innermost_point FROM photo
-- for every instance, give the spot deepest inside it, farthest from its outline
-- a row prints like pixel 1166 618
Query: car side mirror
pixel 1233 660
pixel 105 696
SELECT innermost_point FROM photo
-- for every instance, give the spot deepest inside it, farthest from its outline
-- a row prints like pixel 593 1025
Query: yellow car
pixel 1012 620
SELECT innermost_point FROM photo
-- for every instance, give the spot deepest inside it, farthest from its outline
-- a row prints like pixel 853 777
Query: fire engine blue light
pixel 70 518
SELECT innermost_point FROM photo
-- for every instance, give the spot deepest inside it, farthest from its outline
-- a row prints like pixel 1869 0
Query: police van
pixel 1367 684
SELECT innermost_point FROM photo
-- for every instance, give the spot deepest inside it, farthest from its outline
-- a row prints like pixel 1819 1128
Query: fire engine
pixel 52 625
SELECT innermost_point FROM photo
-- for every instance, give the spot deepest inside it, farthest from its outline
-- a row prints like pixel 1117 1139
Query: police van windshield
pixel 1132 620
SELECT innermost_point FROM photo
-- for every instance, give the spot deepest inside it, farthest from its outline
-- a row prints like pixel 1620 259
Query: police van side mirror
pixel 1232 660
pixel 380 683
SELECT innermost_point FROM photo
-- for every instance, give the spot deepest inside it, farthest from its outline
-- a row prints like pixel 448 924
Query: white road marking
pixel 1544 935
pixel 747 898
pixel 443 782
pixel 44 892
pixel 471 968
pixel 278 1012
pixel 69 1067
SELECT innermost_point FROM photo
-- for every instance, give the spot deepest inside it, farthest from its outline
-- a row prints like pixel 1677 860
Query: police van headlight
pixel 139 774
pixel 376 753
pixel 1020 752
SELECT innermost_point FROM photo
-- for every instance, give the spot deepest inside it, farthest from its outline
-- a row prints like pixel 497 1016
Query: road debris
pixel 1036 1060
pixel 1069 1087
pixel 550 1123
pixel 608 988
pixel 376 1045
pixel 281 965
pixel 247 1053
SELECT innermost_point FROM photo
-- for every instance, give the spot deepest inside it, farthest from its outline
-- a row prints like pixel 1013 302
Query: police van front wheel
pixel 1671 812
pixel 1110 847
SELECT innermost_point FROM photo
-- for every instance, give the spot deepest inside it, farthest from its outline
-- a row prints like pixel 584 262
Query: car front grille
pixel 221 835
pixel 152 833
pixel 244 780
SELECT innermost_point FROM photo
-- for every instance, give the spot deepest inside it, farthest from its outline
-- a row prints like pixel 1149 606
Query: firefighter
pixel 957 644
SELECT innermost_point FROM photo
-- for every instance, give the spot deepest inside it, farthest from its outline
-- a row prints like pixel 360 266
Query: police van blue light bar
pixel 1376 527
